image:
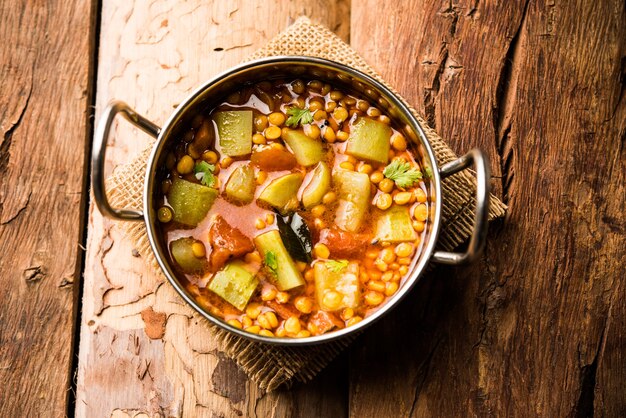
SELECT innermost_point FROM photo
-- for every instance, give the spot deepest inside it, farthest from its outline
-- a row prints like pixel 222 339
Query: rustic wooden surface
pixel 131 360
pixel 44 97
pixel 537 328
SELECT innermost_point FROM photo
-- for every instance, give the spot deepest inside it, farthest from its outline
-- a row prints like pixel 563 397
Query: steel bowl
pixel 292 67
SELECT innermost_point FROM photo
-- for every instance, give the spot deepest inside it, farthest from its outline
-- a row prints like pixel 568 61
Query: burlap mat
pixel 271 366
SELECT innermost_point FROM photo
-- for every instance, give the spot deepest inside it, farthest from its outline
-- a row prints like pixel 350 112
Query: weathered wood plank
pixel 152 54
pixel 536 328
pixel 45 58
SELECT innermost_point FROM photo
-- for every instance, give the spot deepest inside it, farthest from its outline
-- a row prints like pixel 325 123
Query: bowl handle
pixel 476 158
pixel 98 156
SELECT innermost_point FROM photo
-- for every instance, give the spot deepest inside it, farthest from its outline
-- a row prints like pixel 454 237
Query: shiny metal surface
pixel 287 67
pixel 479 234
pixel 98 157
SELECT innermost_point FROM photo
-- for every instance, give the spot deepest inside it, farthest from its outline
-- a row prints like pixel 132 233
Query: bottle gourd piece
pixel 182 253
pixel 394 225
pixel 235 131
pixel 369 140
pixel 241 185
pixel 282 193
pixel 287 274
pixel 235 284
pixel 190 202
pixel 354 199
pixel 344 281
pixel 317 187
pixel 308 151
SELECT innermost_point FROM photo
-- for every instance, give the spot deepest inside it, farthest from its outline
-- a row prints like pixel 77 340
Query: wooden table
pixel 536 328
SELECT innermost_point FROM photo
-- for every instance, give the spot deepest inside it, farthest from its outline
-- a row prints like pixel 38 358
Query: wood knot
pixel 34 274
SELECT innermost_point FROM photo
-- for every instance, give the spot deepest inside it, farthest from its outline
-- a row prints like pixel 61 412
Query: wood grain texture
pixel 44 88
pixel 536 328
pixel 141 349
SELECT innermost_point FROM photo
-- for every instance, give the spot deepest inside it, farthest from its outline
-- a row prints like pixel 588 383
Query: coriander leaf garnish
pixel 271 262
pixel 336 266
pixel 298 116
pixel 204 173
pixel 428 172
pixel 402 173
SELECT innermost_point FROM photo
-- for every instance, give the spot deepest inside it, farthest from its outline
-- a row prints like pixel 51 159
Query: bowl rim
pixel 417 269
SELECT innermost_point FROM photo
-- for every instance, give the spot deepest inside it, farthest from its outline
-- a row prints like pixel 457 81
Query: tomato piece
pixel 343 244
pixel 273 159
pixel 323 322
pixel 227 242
pixel 283 310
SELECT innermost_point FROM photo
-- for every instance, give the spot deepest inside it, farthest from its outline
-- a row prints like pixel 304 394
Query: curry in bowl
pixel 292 208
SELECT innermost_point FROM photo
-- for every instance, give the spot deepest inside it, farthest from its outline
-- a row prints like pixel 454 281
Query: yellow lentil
pixel 329 134
pixel 198 250
pixel 340 114
pixel 331 300
pixel 303 304
pixel 321 251
pixel 266 333
pixel 329 197
pixel 210 157
pixel 246 321
pixel 276 118
pixel 282 297
pixel 318 211
pixel 353 320
pixel 365 168
pixel 386 185
pixel 254 329
pixel 253 310
pixel 404 249
pixel 260 123
pixel 347 165
pixel 272 133
pixel 402 198
pixel 320 114
pixel 376 286
pixel 261 176
pixel 347 313
pixel 234 323
pixel 384 201
pixel 292 325
pixel 398 142
pixel 418 226
pixel 185 165
pixel 391 288
pixel 272 319
pixel 258 139
pixel 376 177
pixel 226 162
pixel 381 265
pixel 312 131
pixel 420 195
pixel 374 298
pixel 342 136
pixel 387 255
